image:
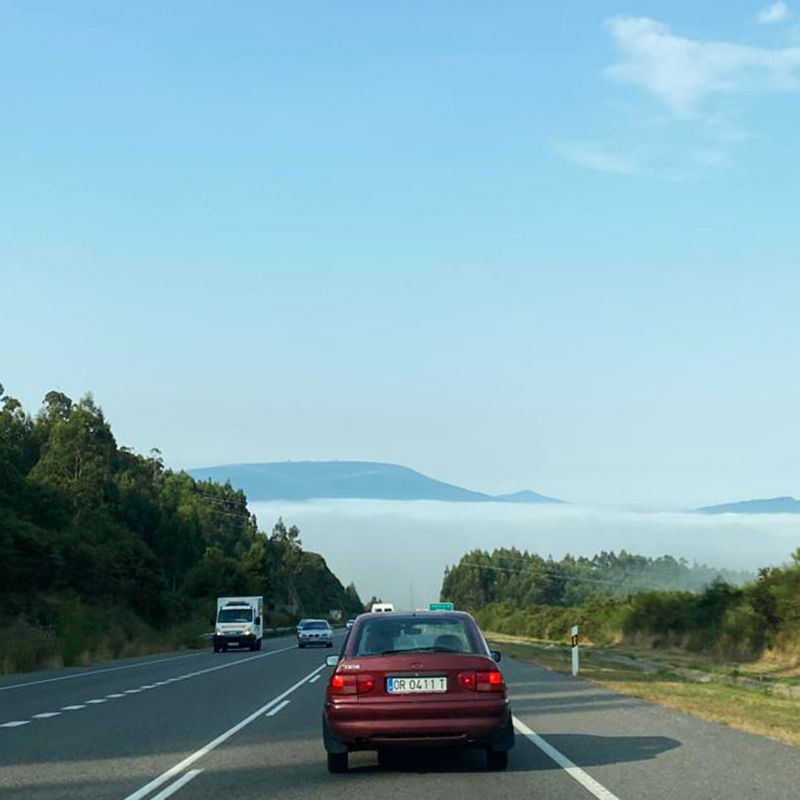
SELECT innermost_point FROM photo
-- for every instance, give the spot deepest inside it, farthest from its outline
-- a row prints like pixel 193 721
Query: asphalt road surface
pixel 200 726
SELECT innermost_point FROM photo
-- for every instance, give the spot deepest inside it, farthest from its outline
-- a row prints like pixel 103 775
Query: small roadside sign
pixel 440 607
pixel 575 651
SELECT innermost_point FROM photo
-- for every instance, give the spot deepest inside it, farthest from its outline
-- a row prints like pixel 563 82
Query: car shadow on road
pixel 588 750
pixel 584 750
pixel 420 761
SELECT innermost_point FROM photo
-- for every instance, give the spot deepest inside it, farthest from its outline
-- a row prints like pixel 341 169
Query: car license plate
pixel 435 684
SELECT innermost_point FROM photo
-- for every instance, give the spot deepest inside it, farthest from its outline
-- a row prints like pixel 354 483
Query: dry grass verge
pixel 769 708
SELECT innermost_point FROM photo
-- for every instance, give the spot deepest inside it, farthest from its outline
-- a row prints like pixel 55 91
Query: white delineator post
pixel 575 658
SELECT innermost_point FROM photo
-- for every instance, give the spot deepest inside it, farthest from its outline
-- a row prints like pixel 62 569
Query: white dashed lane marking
pixel 315 678
pixel 278 708
pixel 116 695
pixel 214 743
pixel 173 787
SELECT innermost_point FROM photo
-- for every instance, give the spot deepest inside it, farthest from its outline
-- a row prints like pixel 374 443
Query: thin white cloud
pixel 683 73
pixel 710 157
pixel 597 157
pixel 777 12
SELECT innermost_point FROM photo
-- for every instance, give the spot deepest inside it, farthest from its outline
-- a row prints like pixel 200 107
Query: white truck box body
pixel 244 632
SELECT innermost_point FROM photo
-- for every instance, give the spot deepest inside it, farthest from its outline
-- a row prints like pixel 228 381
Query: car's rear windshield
pixel 235 615
pixel 315 625
pixel 434 634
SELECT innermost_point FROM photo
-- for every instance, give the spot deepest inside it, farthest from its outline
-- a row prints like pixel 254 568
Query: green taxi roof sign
pixel 440 607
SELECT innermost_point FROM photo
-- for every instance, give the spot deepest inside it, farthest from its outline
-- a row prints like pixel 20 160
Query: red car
pixel 420 679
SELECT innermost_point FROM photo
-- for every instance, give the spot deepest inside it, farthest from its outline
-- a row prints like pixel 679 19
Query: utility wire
pixel 586 564
pixel 569 578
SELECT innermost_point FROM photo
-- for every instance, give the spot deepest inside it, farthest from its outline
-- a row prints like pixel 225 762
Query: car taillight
pixel 466 680
pixel 343 684
pixel 491 681
pixel 351 684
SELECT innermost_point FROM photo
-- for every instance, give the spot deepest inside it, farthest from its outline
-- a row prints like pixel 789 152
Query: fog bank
pixel 385 546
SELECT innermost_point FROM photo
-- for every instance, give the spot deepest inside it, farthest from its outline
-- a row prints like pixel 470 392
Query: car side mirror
pixel 496 656
pixel 258 620
pixel 332 661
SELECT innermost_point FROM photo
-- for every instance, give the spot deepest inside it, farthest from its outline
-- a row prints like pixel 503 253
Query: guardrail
pixel 270 632
pixel 266 633
pixel 279 631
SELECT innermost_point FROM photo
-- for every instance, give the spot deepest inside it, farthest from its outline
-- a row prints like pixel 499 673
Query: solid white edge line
pixel 173 787
pixel 223 737
pixel 99 671
pixel 278 708
pixel 572 769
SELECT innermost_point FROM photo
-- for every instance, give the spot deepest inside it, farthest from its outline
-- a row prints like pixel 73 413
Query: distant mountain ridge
pixel 770 505
pixel 363 480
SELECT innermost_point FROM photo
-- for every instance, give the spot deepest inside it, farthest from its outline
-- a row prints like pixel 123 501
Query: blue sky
pixel 511 245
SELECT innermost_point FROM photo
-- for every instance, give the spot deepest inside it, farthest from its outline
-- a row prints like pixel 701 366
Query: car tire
pixel 258 645
pixel 497 760
pixel 337 763
pixel 300 645
pixel 330 644
pixel 216 648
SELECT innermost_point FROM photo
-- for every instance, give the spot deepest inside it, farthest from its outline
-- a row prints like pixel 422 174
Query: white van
pixel 239 623
pixel 380 608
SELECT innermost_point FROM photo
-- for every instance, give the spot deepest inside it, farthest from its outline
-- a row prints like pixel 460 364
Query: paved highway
pixel 200 726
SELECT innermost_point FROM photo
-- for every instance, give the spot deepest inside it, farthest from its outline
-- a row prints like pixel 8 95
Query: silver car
pixel 314 632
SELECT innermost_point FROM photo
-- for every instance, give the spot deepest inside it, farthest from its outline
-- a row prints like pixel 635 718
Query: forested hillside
pixel 102 548
pixel 613 598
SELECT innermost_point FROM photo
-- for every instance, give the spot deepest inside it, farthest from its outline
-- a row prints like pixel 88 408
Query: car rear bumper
pixel 319 640
pixel 367 726
pixel 235 641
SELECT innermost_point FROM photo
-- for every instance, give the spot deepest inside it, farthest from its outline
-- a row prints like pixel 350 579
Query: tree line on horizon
pixel 511 575
pixel 83 520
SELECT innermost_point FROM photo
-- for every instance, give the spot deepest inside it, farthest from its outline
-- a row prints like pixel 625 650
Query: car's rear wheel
pixel 337 763
pixel 497 760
